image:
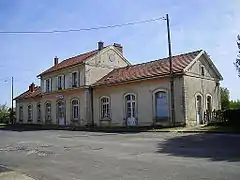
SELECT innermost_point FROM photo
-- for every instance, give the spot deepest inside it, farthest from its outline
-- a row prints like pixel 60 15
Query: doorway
pixel 61 113
pixel 199 109
pixel 130 101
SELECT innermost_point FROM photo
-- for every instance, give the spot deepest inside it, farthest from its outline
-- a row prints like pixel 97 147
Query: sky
pixel 209 25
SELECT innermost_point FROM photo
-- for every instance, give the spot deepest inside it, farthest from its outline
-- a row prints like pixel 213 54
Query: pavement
pixel 79 155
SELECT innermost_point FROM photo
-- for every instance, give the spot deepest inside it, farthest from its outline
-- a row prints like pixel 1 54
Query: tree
pixel 237 63
pixel 4 113
pixel 225 98
pixel 234 104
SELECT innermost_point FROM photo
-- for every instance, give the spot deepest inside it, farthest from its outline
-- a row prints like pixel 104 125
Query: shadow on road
pixel 4 169
pixel 215 147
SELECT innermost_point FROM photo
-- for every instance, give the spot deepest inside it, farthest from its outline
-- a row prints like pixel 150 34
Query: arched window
pixel 75 109
pixel 105 107
pixel 48 111
pixel 30 118
pixel 20 113
pixel 199 109
pixel 161 105
pixel 209 103
pixel 39 112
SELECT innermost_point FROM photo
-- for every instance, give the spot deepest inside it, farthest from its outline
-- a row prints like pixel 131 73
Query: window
pixel 48 85
pixel 105 107
pixel 74 79
pixel 29 112
pixel 202 71
pixel 39 112
pixel 75 109
pixel 60 82
pixel 20 113
pixel 130 105
pixel 209 103
pixel 161 105
pixel 48 111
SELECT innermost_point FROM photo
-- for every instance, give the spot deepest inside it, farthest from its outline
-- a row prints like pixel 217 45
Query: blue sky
pixel 209 25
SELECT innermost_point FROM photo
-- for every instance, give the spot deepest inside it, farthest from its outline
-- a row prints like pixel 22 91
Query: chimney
pixel 100 45
pixel 31 87
pixel 55 60
pixel 118 46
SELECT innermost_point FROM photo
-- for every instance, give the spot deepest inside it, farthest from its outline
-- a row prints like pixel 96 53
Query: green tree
pixel 225 98
pixel 4 113
pixel 237 63
pixel 234 104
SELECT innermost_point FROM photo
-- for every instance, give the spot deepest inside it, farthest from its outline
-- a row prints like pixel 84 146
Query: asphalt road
pixel 66 155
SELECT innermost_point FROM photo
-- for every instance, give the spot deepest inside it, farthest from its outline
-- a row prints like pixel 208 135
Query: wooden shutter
pixel 63 82
pixel 50 84
pixel 77 74
pixel 44 86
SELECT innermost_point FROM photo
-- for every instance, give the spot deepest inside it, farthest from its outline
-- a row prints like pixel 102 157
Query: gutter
pixel 139 79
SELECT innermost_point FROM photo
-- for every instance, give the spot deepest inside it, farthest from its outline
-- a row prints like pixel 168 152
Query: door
pixel 131 110
pixel 161 106
pixel 199 109
pixel 61 113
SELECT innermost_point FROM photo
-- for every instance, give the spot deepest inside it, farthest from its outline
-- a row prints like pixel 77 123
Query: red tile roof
pixel 150 69
pixel 70 61
pixel 28 94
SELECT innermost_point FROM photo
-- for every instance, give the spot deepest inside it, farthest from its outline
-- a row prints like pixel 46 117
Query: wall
pixel 145 104
pixel 203 85
pixel 25 104
pixel 67 96
pixel 100 65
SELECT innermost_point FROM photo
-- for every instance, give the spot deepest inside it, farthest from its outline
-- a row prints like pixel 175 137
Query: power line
pixel 84 29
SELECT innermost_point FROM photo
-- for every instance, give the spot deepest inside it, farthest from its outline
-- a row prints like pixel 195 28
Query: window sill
pixel 106 119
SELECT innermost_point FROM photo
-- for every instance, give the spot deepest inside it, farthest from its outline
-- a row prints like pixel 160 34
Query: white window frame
pixel 131 101
pixel 107 109
pixel 30 112
pixel 76 80
pixel 62 83
pixel 21 113
pixel 78 109
pixel 48 88
pixel 48 114
pixel 39 113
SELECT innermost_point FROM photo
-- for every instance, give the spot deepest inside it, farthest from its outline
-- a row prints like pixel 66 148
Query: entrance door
pixel 161 106
pixel 131 110
pixel 61 113
pixel 199 109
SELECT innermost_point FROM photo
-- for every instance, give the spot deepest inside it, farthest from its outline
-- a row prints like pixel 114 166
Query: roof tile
pixel 149 69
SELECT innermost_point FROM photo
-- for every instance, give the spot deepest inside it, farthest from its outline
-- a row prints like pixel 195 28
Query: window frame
pixel 21 113
pixel 74 80
pixel 73 111
pixel 211 101
pixel 48 88
pixel 39 112
pixel 30 112
pixel 46 111
pixel 135 113
pixel 60 85
pixel 107 108
pixel 154 93
pixel 202 70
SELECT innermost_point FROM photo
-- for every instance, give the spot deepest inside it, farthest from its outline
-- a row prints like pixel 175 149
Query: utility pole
pixel 171 73
pixel 12 103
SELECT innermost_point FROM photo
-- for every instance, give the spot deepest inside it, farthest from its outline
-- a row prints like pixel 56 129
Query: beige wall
pixel 204 85
pixel 25 105
pixel 144 91
pixel 66 97
pixel 100 65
